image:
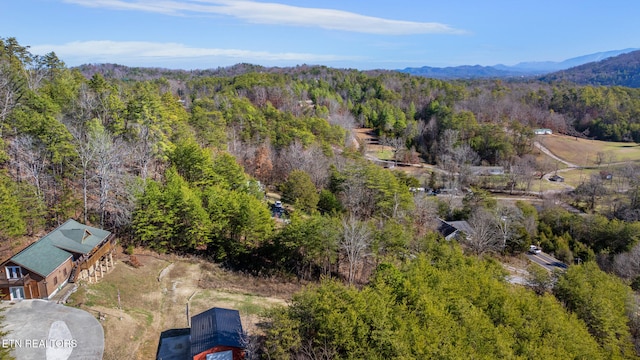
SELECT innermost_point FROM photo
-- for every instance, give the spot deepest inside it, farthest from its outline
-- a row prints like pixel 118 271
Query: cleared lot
pixel 153 298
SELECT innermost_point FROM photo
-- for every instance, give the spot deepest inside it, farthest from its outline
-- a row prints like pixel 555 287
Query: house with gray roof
pixel 70 251
pixel 446 230
pixel 454 229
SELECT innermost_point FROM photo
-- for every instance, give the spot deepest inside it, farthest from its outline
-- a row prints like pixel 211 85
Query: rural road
pixel 547 261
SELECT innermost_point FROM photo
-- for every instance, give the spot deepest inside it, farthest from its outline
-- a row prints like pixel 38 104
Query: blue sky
pixel 202 34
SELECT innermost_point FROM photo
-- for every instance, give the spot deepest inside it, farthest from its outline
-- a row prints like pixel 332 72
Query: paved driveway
pixel 44 330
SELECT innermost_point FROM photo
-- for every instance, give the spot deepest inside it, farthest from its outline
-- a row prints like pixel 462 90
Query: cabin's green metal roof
pixel 76 237
pixel 45 255
pixel 41 257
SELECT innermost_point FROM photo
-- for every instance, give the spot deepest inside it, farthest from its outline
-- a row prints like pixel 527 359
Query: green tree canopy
pixel 442 305
pixel 601 301
pixel 12 213
pixel 300 190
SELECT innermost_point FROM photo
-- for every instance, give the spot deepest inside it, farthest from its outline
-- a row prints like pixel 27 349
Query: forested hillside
pixel 606 113
pixel 192 163
pixel 621 70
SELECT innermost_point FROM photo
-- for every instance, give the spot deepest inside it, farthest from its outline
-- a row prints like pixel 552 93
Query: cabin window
pixel 55 280
pixel 14 272
pixel 17 293
pixel 64 271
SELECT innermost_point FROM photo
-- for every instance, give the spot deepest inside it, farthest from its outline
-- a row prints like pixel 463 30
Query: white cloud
pixel 126 52
pixel 280 14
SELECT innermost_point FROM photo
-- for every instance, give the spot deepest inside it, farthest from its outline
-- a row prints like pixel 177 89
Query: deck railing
pixel 21 281
pixel 89 260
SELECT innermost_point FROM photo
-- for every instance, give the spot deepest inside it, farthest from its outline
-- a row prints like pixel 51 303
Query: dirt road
pixel 552 155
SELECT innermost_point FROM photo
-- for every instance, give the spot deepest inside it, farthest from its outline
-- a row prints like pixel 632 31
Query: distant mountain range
pixel 621 70
pixel 610 68
pixel 524 69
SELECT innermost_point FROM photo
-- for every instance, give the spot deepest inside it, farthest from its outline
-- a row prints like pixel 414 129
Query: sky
pixel 360 34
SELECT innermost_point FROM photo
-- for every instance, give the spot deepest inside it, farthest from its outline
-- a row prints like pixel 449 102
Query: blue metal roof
pixel 215 327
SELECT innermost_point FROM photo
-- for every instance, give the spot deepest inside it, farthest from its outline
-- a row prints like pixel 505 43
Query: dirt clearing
pixel 137 304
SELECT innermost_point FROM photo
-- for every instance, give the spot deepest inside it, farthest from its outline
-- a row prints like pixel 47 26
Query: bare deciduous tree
pixel 456 159
pixel 627 265
pixel 257 161
pixel 87 153
pixel 590 191
pixel 600 158
pixel 143 153
pixel 82 109
pixel 485 237
pixel 10 92
pixel 397 143
pixel 312 160
pixel 355 243
pixel 342 118
pixel 424 214
pixel 355 195
pixel 311 351
pixel 464 156
pixel 525 168
pixel 108 161
pixel 545 166
pixel 35 72
pixel 123 199
pixel 506 219
pixel 29 161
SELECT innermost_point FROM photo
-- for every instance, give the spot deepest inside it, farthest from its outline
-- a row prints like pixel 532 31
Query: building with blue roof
pixel 216 330
pixel 215 334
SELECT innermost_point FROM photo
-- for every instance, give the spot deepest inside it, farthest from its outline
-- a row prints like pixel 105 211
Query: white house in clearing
pixel 542 131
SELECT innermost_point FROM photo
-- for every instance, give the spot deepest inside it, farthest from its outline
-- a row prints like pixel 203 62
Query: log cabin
pixel 70 252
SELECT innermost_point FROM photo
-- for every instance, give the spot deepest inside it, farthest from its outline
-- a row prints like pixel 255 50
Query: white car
pixel 534 249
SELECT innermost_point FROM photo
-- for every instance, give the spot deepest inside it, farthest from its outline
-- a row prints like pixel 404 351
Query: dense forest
pixel 443 305
pixel 181 162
